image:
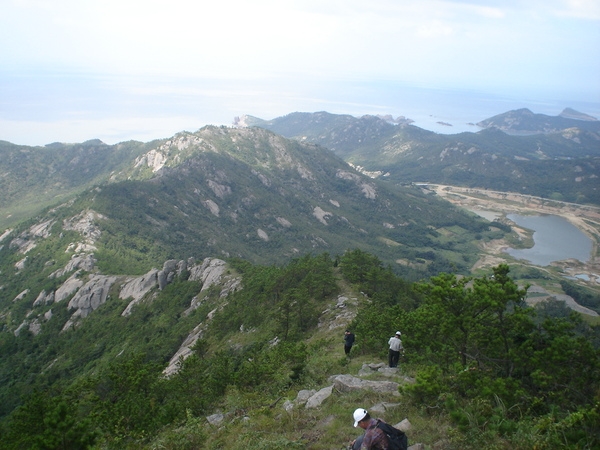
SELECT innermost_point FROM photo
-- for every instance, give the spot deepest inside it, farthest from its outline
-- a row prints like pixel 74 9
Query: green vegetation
pixel 557 165
pixel 263 210
pixel 489 371
pixel 583 296
pixel 35 177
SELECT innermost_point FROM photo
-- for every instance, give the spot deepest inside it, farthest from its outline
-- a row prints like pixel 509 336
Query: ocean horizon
pixel 76 108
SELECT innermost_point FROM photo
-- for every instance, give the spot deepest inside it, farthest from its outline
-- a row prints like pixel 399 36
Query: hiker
pixel 348 341
pixel 373 438
pixel 395 347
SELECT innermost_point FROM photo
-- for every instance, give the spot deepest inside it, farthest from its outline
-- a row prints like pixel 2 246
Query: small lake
pixel 555 239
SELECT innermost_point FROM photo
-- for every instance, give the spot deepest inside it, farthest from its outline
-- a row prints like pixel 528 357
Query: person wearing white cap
pixel 374 438
pixel 395 347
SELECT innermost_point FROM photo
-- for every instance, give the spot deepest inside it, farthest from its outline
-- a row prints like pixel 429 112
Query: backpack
pixel 396 438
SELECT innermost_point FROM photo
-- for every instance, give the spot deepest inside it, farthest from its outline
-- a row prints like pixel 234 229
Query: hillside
pixel 245 193
pixel 562 162
pixel 192 293
pixel 262 362
pixel 36 177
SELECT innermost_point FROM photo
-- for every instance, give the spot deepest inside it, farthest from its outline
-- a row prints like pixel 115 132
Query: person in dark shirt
pixel 348 342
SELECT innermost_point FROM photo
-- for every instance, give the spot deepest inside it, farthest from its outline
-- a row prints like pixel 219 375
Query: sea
pixel 454 110
pixel 75 108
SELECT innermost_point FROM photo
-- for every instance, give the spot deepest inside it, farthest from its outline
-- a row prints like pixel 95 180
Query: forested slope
pixel 489 372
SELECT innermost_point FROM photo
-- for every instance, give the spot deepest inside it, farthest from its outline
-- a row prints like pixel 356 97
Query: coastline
pixel 585 217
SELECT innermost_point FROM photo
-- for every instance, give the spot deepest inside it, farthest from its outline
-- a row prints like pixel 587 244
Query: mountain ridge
pixel 524 122
pixel 122 312
pixel 561 163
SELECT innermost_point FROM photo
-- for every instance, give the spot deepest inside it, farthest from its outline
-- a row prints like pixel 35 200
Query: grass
pixel 255 420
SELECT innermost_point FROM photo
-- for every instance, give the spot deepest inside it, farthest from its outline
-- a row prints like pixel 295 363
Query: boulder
pixel 379 368
pixel 388 371
pixel 170 270
pixel 35 327
pixel 288 405
pixel 21 295
pixel 84 262
pixel 215 419
pixel 71 285
pixel 341 301
pixel 93 294
pixel 208 273
pixel 349 383
pixel 43 298
pixel 418 446
pixel 319 397
pixel 403 425
pixel 211 272
pixel 20 265
pixel 136 288
pixel 194 304
pixel 381 408
pixel 181 267
pixel 161 279
pixel 304 395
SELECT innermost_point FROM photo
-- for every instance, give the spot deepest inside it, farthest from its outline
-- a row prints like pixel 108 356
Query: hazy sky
pixel 73 70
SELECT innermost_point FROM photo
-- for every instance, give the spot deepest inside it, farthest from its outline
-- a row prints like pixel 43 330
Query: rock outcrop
pixel 44 298
pixel 136 288
pixel 349 383
pixel 83 262
pixel 210 272
pixel 21 295
pixel 93 294
pixel 315 400
pixel 69 287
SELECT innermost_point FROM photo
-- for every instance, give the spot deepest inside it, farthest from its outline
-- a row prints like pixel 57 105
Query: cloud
pixel 579 9
pixel 434 29
pixel 73 57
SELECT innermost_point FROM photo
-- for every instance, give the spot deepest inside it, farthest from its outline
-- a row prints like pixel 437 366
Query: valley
pixel 495 204
pixel 92 323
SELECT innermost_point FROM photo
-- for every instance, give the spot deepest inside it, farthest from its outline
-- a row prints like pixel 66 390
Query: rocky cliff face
pixel 86 288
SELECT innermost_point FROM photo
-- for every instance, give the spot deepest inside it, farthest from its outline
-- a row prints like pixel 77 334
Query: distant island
pixel 570 113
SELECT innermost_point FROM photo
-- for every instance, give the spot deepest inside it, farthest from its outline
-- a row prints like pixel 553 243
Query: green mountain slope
pixel 35 177
pixel 102 293
pixel 220 192
pixel 252 194
pixel 267 368
pixel 561 163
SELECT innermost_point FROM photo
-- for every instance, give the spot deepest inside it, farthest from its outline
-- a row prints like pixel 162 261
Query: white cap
pixel 398 333
pixel 359 415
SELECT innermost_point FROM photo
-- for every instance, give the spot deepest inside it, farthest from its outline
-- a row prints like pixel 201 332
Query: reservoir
pixel 555 239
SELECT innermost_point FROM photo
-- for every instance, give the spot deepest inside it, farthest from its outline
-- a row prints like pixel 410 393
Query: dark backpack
pixel 397 439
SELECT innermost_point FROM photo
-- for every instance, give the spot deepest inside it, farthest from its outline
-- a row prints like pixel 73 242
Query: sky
pixel 115 70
